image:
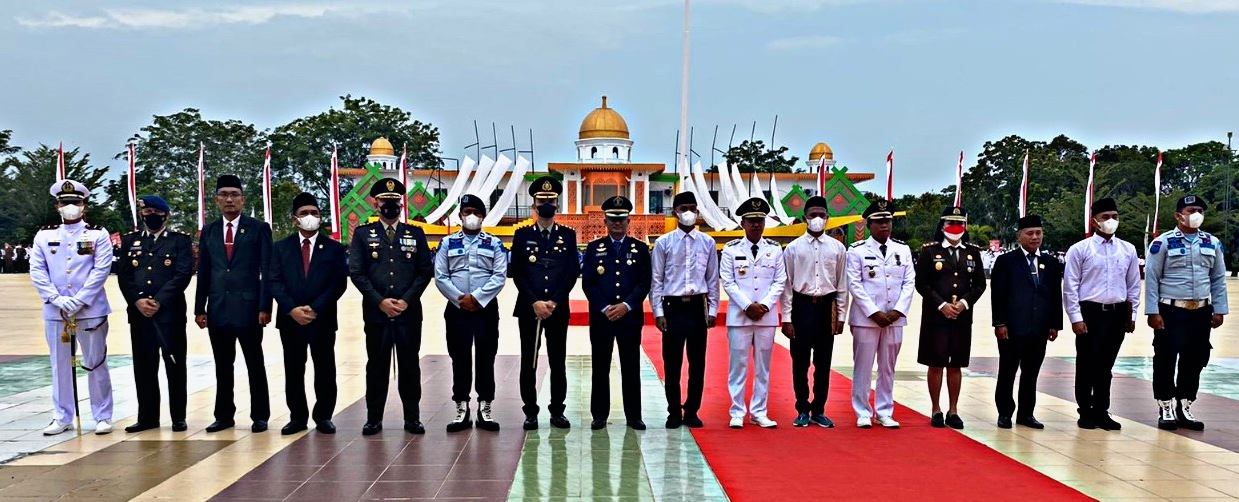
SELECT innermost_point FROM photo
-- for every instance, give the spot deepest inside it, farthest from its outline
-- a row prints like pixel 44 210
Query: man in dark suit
pixel 233 302
pixel 1027 288
pixel 308 275
pixel 390 265
pixel 616 280
pixel 154 270
pixel 544 266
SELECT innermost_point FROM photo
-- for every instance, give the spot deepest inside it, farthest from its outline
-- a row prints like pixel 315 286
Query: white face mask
pixel 952 236
pixel 1108 227
pixel 471 222
pixel 71 212
pixel 1195 219
pixel 309 222
pixel 816 224
pixel 688 218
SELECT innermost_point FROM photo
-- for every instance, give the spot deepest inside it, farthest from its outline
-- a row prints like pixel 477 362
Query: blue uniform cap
pixel 154 202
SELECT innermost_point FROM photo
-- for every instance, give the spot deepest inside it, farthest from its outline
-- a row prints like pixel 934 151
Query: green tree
pixel 753 156
pixel 28 205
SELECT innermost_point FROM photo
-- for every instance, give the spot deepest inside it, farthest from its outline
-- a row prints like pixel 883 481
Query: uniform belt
pixel 1187 304
pixel 681 299
pixel 814 299
pixel 1107 307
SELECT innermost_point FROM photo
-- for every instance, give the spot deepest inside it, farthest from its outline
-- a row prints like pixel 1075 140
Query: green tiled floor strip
pixel 27 374
pixel 615 463
pixel 1220 377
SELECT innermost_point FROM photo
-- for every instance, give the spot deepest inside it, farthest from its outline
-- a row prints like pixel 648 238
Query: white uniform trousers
pixel 884 343
pixel 92 345
pixel 746 340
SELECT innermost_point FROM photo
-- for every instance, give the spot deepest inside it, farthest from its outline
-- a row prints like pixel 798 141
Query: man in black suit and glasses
pixel 308 276
pixel 1026 289
pixel 232 301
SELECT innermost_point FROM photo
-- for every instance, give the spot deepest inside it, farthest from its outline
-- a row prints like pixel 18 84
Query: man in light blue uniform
pixel 69 265
pixel 1185 298
pixel 471 267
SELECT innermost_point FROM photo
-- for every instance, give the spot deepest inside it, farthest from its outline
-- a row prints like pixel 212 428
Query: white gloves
pixel 68 304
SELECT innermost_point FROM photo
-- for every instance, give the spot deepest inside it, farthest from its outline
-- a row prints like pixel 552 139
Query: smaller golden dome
pixel 819 150
pixel 603 122
pixel 382 147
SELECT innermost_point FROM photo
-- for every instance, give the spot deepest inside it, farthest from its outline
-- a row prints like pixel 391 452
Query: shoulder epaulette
pixel 772 242
pixel 92 226
pixel 897 241
pixel 732 242
pixel 50 227
pixel 929 244
pixel 857 244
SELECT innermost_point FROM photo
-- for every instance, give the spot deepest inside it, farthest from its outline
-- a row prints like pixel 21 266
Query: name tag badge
pixel 456 252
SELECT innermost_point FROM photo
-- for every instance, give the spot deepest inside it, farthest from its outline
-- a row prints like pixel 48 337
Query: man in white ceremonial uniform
pixel 753 274
pixel 69 265
pixel 881 279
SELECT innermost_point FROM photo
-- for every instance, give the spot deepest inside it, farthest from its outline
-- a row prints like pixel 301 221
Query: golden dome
pixel 603 122
pixel 819 150
pixel 382 147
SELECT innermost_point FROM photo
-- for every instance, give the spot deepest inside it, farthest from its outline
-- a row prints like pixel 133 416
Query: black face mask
pixel 546 210
pixel 390 210
pixel 154 222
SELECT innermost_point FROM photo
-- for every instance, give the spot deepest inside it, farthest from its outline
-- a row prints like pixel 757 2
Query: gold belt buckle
pixel 1191 304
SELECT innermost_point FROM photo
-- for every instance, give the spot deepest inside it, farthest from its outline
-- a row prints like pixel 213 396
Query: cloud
pixel 199 17
pixel 804 42
pixel 1185 6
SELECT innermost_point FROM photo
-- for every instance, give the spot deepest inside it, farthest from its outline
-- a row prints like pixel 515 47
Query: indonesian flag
pixel 959 179
pixel 266 187
pixel 1157 191
pixel 335 196
pixel 201 189
pixel 1088 195
pixel 890 175
pixel 821 176
pixel 60 162
pixel 404 180
pixel 1024 188
pixel 133 185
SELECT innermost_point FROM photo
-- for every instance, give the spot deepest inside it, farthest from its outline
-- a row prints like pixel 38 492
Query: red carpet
pixel 916 462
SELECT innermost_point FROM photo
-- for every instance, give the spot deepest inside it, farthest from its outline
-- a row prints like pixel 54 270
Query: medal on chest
pixel 873 271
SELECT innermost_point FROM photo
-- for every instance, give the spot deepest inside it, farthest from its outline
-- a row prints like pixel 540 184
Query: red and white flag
pixel 890 175
pixel 1157 191
pixel 404 180
pixel 133 185
pixel 266 187
pixel 1088 195
pixel 335 196
pixel 959 179
pixel 201 189
pixel 821 176
pixel 1024 188
pixel 60 162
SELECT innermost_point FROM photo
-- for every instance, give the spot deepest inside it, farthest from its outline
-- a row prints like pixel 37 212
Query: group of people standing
pixel 807 290
pixel 14 259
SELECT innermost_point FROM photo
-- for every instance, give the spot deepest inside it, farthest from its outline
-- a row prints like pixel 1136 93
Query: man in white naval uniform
pixel 69 264
pixel 881 279
pixel 753 274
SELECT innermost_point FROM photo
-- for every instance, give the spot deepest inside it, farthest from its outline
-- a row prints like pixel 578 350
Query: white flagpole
pixel 266 187
pixel 335 196
pixel 959 179
pixel 60 162
pixel 683 163
pixel 133 185
pixel 201 188
pixel 1157 191
pixel 404 180
pixel 1088 195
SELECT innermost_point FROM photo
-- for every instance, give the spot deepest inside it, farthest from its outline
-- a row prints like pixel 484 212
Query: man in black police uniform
pixel 544 266
pixel 950 278
pixel 390 264
pixel 154 270
pixel 233 303
pixel 308 276
pixel 616 313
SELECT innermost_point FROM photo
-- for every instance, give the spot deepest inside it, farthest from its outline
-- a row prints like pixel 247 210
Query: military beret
pixel 684 198
pixel 1030 221
pixel 304 199
pixel 955 213
pixel 755 207
pixel 227 181
pixel 387 188
pixel 546 187
pixel 1104 205
pixel 617 207
pixel 472 201
pixel 1190 201
pixel 880 209
pixel 69 191
pixel 154 202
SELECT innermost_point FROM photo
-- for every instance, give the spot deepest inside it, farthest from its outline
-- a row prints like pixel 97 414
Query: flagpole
pixel 133 185
pixel 60 162
pixel 683 161
pixel 201 188
pixel 266 187
pixel 404 180
pixel 890 175
pixel 959 179
pixel 1157 191
pixel 1088 195
pixel 335 196
pixel 1024 188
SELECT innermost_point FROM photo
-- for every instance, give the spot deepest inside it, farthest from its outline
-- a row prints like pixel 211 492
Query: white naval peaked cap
pixel 69 189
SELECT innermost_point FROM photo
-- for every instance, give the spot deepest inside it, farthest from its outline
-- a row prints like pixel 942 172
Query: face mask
pixel 390 210
pixel 1193 220
pixel 817 224
pixel 688 218
pixel 71 212
pixel 1108 227
pixel 472 222
pixel 954 233
pixel 309 222
pixel 546 210
pixel 154 222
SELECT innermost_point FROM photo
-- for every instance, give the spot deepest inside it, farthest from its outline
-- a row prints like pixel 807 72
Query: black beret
pixel 755 207
pixel 304 199
pixel 1030 221
pixel 227 181
pixel 880 209
pixel 546 187
pixel 387 188
pixel 683 198
pixel 1104 205
pixel 472 201
pixel 815 201
pixel 1189 201
pixel 617 207
pixel 955 214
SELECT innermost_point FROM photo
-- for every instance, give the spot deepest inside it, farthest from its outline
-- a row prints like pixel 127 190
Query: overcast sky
pixel 927 78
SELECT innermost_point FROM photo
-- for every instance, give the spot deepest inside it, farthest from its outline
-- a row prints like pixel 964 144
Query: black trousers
pixel 1025 355
pixel 555 329
pixel 224 345
pixel 1096 352
pixel 322 347
pixel 464 330
pixel 406 339
pixel 814 342
pixel 1184 342
pixel 603 336
pixel 146 357
pixel 686 329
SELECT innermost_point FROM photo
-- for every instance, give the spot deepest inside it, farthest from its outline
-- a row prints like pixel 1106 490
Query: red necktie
pixel 305 257
pixel 228 241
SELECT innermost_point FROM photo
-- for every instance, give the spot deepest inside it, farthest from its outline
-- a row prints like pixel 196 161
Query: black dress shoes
pixel 293 428
pixel 414 427
pixel 598 425
pixel 325 427
pixel 937 421
pixel 180 426
pixel 560 422
pixel 954 422
pixel 674 421
pixel 1107 423
pixel 693 422
pixel 217 426
pixel 1030 422
pixel 636 425
pixel 371 428
pixel 1004 422
pixel 139 427
pixel 531 424
pixel 1086 422
pixel 259 426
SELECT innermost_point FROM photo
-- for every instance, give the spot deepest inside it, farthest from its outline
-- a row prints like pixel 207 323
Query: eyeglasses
pixel 229 195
